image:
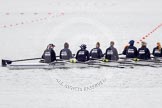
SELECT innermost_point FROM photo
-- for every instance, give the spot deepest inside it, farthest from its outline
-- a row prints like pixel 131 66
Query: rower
pixel 96 53
pixel 83 54
pixel 157 51
pixel 111 52
pixel 49 54
pixel 66 53
pixel 130 51
pixel 144 52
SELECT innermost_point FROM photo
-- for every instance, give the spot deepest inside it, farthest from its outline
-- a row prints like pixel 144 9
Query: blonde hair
pixel 143 43
pixel 159 46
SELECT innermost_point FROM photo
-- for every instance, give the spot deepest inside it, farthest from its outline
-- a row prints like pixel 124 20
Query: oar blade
pixel 5 62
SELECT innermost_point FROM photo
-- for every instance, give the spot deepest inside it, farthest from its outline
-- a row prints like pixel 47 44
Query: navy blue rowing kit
pixel 157 52
pixel 111 53
pixel 96 53
pixel 82 55
pixel 49 55
pixel 144 53
pixel 65 54
pixel 130 52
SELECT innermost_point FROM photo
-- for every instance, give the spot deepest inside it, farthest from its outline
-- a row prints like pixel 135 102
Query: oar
pixel 5 62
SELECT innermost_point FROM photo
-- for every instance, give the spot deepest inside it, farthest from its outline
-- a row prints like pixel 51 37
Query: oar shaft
pixel 26 59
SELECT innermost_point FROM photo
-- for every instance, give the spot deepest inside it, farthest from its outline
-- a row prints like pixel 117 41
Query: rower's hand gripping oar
pixel 6 62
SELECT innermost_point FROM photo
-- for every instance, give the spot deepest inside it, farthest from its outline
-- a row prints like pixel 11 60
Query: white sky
pixel 74 5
